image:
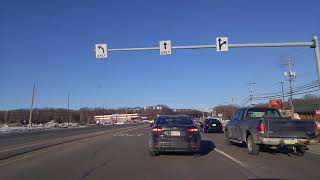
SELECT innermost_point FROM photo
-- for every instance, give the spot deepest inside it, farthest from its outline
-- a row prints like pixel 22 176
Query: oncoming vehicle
pixel 211 125
pixel 174 134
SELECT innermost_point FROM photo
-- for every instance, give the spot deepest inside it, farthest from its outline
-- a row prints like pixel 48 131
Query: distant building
pixel 119 118
pixel 309 111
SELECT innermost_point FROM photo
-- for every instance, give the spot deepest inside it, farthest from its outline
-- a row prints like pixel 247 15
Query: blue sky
pixel 51 43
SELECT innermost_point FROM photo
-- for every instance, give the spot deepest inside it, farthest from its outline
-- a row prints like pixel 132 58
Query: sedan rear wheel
pixel 154 153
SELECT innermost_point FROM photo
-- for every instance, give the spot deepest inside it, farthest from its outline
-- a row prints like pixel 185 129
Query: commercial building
pixel 119 118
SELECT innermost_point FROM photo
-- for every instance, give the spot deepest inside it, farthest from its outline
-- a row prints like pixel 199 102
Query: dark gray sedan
pixel 174 134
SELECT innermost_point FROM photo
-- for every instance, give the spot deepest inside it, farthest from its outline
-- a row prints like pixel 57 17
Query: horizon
pixel 51 43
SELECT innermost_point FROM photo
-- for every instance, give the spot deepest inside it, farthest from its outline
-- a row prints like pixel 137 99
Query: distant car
pixel 211 125
pixel 174 134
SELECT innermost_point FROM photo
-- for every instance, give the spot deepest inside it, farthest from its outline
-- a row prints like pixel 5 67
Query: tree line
pixel 85 115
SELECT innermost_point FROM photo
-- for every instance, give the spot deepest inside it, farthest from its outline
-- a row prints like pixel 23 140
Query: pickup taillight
pixel 262 127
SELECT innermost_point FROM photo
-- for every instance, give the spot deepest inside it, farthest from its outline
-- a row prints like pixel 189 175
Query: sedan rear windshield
pixel 212 121
pixel 174 121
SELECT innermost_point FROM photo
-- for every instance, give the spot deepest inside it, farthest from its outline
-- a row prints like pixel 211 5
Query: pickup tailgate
pixel 285 128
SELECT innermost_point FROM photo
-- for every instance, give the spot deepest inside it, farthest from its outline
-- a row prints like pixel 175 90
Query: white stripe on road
pixel 231 158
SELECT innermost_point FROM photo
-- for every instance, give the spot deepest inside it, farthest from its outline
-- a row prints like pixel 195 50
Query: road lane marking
pixel 31 154
pixel 231 158
pixel 54 140
pixel 42 150
pixel 243 167
pixel 128 135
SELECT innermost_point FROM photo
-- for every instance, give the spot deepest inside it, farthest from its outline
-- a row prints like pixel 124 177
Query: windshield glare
pixel 259 113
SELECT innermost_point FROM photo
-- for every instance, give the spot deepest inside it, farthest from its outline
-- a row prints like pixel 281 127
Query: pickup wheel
pixel 252 147
pixel 227 138
pixel 299 151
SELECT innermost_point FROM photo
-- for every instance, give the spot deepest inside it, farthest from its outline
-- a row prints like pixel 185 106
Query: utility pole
pixel 103 118
pixel 32 100
pixel 68 107
pixel 202 114
pixel 291 74
pixel 250 92
pixel 232 100
pixel 5 117
pixel 282 95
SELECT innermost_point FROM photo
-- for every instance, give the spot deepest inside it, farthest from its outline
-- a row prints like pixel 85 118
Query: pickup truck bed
pixel 266 127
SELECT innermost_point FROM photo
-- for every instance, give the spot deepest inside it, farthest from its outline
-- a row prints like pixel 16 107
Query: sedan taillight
pixel 192 130
pixel 158 131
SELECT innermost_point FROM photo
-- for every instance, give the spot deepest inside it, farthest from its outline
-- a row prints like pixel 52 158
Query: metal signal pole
pixel 317 54
pixel 314 43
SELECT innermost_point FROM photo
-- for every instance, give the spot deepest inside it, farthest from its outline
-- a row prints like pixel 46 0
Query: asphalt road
pixel 16 139
pixel 124 155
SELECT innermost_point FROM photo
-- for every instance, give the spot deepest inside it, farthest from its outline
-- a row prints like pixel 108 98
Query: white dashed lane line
pixel 231 158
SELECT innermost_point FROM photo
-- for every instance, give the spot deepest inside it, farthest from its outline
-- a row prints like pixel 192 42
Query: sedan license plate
pixel 290 141
pixel 214 125
pixel 175 133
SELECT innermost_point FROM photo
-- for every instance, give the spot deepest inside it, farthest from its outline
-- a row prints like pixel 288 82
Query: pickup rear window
pixel 266 113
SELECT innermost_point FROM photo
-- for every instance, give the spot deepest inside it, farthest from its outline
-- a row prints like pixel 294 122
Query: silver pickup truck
pixel 266 127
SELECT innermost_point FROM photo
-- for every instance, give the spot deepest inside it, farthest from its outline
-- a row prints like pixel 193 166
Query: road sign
pixel 222 44
pixel 275 103
pixel 165 47
pixel 101 51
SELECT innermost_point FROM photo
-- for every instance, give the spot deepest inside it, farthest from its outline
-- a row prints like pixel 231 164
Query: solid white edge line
pixel 230 157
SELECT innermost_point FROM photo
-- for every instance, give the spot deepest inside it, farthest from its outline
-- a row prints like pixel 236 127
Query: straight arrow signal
pixel 165 45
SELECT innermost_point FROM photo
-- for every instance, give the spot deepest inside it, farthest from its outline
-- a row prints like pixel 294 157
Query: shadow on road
pixel 275 151
pixel 270 150
pixel 206 147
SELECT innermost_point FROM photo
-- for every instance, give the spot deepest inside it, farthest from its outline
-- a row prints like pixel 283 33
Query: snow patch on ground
pixel 5 129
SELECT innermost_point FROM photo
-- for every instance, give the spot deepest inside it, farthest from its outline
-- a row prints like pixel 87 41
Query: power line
pixel 314 83
pixel 288 94
pixel 294 91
